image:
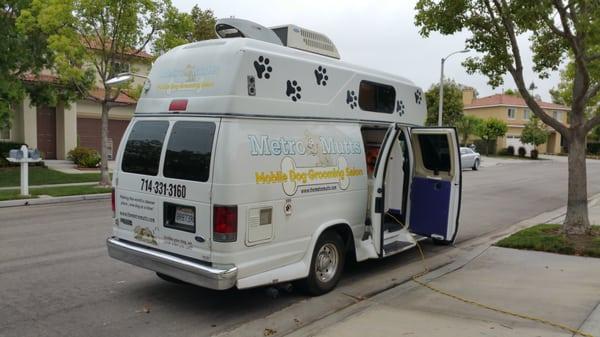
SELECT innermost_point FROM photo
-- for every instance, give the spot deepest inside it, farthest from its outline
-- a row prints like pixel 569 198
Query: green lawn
pixel 54 191
pixel 11 176
pixel 547 238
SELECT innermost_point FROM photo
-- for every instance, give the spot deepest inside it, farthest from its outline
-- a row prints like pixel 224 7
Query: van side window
pixel 143 147
pixel 436 152
pixel 189 151
pixel 376 97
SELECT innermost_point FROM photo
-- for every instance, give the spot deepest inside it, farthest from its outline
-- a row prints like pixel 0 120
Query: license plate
pixel 184 216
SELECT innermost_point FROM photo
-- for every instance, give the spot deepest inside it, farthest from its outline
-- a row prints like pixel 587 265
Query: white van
pixel 251 163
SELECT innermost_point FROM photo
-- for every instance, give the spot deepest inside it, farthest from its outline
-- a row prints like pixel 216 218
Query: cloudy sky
pixel 381 36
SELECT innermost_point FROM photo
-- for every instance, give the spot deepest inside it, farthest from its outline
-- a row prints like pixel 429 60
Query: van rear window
pixel 143 147
pixel 189 151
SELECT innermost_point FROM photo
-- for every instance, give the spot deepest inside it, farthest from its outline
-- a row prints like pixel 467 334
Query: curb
pixel 53 200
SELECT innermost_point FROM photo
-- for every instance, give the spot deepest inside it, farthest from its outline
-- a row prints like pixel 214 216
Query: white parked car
pixel 469 158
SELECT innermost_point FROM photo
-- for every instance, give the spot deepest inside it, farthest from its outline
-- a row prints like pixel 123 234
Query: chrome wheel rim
pixel 477 164
pixel 327 261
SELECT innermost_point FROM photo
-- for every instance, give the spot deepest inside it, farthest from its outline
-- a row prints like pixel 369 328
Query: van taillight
pixel 112 201
pixel 225 223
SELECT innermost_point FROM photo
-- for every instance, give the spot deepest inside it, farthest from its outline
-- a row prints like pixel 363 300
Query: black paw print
pixel 262 67
pixel 351 99
pixel 418 96
pixel 320 75
pixel 293 90
pixel 400 107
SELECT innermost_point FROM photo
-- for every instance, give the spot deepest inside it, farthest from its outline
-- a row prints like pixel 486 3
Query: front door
pixel 435 189
pixel 46 131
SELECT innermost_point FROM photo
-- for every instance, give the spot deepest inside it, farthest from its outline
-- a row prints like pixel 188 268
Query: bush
pixel 481 145
pixel 593 148
pixel 522 151
pixel 534 154
pixel 5 147
pixel 84 157
pixel 510 150
pixel 504 152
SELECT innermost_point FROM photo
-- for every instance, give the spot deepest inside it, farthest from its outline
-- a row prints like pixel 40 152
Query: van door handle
pixel 437 186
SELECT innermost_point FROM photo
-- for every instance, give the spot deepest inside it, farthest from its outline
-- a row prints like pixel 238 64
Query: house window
pixel 511 113
pixel 120 67
pixel 526 114
pixel 557 115
pixel 376 97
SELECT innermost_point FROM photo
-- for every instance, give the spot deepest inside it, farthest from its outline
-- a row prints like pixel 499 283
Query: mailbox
pixel 15 154
pixel 34 154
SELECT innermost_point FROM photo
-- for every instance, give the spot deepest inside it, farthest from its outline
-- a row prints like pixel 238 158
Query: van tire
pixel 170 279
pixel 329 249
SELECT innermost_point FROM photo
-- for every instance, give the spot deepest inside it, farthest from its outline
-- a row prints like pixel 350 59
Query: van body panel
pixel 271 164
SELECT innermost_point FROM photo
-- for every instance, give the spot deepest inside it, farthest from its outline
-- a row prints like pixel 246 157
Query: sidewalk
pixel 67 166
pixel 559 288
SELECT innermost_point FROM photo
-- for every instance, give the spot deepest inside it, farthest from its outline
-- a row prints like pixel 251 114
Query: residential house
pixel 55 130
pixel 514 111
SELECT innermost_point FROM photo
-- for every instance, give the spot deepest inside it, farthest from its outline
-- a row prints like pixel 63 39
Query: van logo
pixel 400 107
pixel 321 76
pixel 293 90
pixel 351 99
pixel 418 96
pixel 263 69
pixel 310 179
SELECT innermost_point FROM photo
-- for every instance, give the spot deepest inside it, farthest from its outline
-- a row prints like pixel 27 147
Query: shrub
pixel 504 152
pixel 84 156
pixel 593 148
pixel 534 154
pixel 5 147
pixel 511 150
pixel 522 151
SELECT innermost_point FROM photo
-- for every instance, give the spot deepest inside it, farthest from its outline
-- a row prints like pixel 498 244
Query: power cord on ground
pixel 415 278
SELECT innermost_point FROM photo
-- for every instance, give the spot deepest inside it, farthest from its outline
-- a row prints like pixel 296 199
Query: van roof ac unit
pixel 307 40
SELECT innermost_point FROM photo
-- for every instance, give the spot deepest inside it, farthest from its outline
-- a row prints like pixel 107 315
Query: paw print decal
pixel 418 96
pixel 262 67
pixel 400 107
pixel 321 76
pixel 351 99
pixel 293 90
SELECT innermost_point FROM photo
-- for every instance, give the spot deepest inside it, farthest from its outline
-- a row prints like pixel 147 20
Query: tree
pixel 23 55
pixel 512 92
pixel 181 28
pixel 98 36
pixel 466 126
pixel 534 133
pixel 556 29
pixel 453 104
pixel 489 130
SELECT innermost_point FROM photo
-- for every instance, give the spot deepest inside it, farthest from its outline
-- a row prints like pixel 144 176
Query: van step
pixel 396 246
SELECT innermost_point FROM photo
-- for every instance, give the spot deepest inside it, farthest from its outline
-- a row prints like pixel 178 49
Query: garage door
pixel 89 133
pixel 46 131
pixel 515 141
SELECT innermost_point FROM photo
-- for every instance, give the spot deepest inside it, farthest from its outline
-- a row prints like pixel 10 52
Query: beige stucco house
pixel 514 111
pixel 55 130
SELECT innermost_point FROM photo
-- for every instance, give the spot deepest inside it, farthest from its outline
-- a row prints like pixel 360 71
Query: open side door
pixel 435 190
pixel 386 209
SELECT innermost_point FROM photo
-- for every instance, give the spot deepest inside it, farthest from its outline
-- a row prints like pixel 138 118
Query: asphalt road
pixel 57 280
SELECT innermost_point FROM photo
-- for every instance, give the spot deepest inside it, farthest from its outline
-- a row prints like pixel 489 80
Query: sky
pixel 376 34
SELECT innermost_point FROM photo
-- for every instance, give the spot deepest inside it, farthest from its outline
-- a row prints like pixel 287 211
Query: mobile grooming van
pixel 261 157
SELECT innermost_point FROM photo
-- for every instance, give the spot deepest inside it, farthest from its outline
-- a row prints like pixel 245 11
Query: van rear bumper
pixel 180 268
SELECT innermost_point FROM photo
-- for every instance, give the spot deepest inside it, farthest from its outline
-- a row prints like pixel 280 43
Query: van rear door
pixel 163 186
pixel 435 189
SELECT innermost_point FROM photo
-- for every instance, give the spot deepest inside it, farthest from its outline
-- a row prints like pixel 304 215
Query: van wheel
pixel 476 165
pixel 170 279
pixel 326 264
